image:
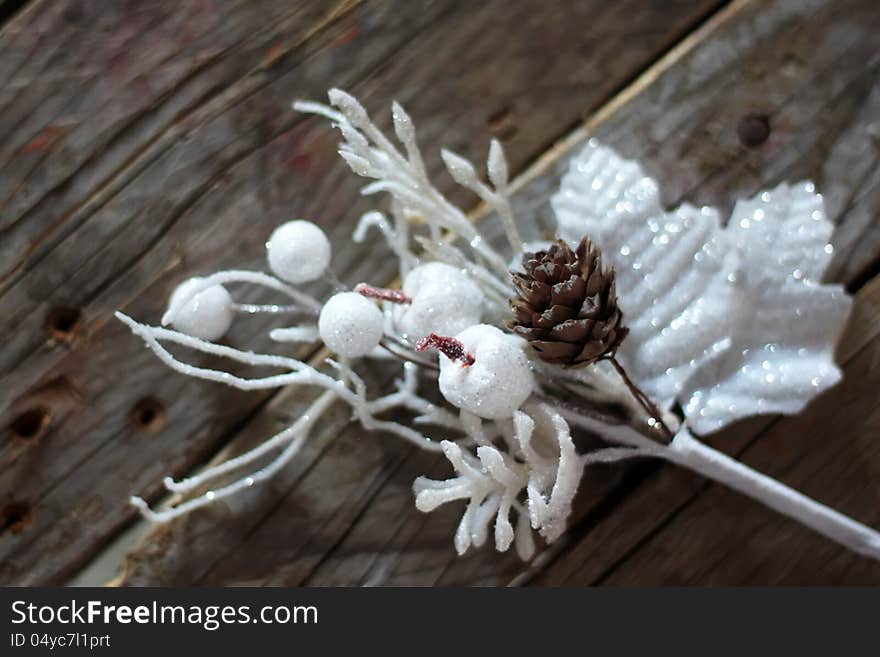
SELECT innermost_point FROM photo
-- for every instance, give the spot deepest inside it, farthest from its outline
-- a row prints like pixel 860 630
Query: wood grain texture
pixel 140 144
pixel 811 69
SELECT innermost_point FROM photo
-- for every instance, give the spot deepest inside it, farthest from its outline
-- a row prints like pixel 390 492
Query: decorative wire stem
pixel 404 353
pixel 294 436
pixel 687 451
pixel 241 276
pixel 272 309
pixel 650 407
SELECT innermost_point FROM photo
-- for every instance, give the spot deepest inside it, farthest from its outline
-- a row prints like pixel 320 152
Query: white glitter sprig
pixel 507 418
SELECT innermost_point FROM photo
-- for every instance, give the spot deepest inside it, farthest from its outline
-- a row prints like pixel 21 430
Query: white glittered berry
pixel 444 300
pixel 207 315
pixel 497 383
pixel 350 325
pixel 298 251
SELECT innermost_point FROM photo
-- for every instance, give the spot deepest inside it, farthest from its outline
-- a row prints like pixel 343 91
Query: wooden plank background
pixel 143 142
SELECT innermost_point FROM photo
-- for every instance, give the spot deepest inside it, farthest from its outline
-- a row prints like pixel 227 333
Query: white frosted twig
pixel 464 173
pixel 622 434
pixel 507 429
pixel 310 107
pixel 269 309
pixel 407 391
pixel 358 401
pixel 403 177
pixel 393 236
pixel 373 219
pixel 306 423
pixel 613 454
pixel 490 482
pixel 406 396
pixel 686 451
pixel 304 375
pixel 436 415
pixel 473 427
pixel 401 229
pixel 295 334
pixel 303 423
pixel 238 276
pixel 406 133
pixel 301 373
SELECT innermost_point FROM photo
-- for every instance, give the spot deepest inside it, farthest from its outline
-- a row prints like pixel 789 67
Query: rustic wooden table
pixel 141 142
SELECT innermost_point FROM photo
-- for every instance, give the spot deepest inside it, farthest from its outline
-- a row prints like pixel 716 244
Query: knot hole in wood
pixel 31 424
pixel 753 130
pixel 15 517
pixel 148 415
pixel 62 323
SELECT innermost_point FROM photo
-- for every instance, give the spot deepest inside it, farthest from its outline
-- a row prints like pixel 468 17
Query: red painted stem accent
pixel 394 296
pixel 451 348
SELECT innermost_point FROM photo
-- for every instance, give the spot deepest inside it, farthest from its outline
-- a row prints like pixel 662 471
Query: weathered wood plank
pixel 681 120
pixel 213 153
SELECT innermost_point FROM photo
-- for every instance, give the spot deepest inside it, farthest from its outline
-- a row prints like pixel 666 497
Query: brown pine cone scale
pixel 566 305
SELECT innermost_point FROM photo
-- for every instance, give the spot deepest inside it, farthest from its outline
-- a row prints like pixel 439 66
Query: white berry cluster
pixel 441 299
pixel 298 252
pixel 514 458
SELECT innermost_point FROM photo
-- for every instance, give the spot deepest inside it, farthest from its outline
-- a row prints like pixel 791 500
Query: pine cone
pixel 567 305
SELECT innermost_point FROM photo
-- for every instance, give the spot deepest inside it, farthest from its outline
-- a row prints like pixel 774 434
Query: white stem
pixel 239 276
pixel 269 308
pixel 304 426
pixel 295 334
pixel 621 434
pixel 687 451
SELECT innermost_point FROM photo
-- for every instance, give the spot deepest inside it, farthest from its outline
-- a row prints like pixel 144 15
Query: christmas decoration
pixel 722 322
pixel 729 322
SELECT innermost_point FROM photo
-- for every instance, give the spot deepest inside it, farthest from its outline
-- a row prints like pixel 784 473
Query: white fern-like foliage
pixel 490 482
pixel 540 462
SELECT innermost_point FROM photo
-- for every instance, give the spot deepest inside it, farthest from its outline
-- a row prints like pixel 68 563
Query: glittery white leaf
pixel 785 324
pixel 729 321
pixel 604 195
pixel 674 270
